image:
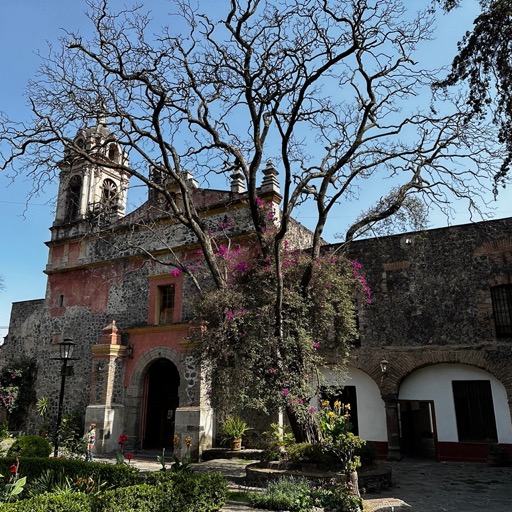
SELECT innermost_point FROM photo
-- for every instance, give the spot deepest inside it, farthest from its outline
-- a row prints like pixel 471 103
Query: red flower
pixel 122 439
pixel 129 456
pixel 13 469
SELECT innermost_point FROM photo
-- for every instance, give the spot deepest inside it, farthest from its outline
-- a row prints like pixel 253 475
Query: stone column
pixel 391 405
pixel 107 375
pixel 196 422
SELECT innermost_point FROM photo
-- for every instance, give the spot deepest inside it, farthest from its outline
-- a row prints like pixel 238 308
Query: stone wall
pixel 433 288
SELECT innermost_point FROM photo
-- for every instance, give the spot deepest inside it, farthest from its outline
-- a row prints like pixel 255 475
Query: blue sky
pixel 25 27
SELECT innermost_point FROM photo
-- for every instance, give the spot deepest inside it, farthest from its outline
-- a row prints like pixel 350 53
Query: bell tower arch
pixel 93 182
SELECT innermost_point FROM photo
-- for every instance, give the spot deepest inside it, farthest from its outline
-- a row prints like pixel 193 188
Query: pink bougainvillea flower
pixel 316 344
pixel 285 391
pixel 312 410
pixel 176 272
pixel 242 266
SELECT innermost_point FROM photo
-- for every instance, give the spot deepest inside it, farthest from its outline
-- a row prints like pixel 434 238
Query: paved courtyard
pixel 429 486
pixel 425 486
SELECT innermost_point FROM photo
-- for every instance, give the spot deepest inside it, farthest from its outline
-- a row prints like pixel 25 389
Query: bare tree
pixel 329 90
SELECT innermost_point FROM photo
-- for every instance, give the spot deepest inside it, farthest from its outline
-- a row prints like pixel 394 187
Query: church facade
pixel 428 376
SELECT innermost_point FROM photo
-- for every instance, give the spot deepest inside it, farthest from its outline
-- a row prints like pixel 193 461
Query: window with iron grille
pixel 474 410
pixel 166 294
pixel 502 309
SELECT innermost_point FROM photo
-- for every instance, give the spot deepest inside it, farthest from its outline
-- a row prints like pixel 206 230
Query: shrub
pixel 65 502
pixel 191 492
pixel 307 452
pixel 195 492
pixel 112 475
pixel 71 436
pixel 291 494
pixel 337 498
pixel 30 446
pixel 142 498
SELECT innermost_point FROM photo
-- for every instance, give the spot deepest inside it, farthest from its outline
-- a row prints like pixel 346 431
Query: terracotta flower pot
pixel 236 445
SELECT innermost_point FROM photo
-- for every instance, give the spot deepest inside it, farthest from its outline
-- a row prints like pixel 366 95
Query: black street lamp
pixel 66 348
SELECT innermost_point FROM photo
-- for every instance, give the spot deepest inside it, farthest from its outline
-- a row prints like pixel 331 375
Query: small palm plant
pixel 233 430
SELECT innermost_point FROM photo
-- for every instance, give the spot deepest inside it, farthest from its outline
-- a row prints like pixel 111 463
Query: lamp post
pixel 66 348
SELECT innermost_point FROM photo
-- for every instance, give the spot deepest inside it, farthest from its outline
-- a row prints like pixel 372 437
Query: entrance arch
pixel 159 403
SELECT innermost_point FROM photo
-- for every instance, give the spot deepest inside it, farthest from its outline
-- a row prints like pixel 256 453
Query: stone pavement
pixel 428 486
pixel 424 486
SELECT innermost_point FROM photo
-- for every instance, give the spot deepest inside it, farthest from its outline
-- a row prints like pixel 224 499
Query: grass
pixel 240 496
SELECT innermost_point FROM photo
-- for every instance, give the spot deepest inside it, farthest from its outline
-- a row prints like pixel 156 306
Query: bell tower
pixel 93 183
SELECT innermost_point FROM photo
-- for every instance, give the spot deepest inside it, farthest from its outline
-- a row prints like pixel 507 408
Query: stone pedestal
pixel 109 426
pixel 106 390
pixel 196 422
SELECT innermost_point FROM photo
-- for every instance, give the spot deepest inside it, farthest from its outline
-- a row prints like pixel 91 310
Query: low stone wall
pixel 225 453
pixel 371 480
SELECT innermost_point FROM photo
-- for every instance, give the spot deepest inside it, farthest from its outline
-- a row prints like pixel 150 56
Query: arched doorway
pixel 159 404
pixel 451 411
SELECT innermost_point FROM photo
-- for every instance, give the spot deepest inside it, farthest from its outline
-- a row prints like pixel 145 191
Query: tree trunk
pixel 306 431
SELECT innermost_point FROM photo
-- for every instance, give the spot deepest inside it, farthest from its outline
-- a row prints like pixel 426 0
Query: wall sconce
pixel 384 366
pixel 129 350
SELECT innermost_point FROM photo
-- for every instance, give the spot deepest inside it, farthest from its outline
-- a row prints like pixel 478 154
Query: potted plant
pixel 233 430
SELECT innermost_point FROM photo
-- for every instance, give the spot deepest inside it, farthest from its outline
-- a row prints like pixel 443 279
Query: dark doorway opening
pixel 418 436
pixel 159 404
pixel 347 396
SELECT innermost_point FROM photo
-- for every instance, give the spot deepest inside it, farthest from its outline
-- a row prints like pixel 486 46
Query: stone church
pixel 429 375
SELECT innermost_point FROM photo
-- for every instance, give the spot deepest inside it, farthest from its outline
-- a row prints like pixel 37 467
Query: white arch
pixel 435 383
pixel 370 406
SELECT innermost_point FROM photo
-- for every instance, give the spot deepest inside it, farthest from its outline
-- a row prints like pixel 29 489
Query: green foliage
pixel 191 492
pixel 483 63
pixel 65 502
pixel 298 495
pixel 58 482
pixel 337 498
pixel 307 452
pixel 30 446
pixel 194 492
pixel 253 366
pixel 17 391
pixel 114 487
pixel 13 488
pixel 42 405
pixel 72 443
pixel 291 494
pixel 113 475
pixel 336 435
pixel 278 442
pixel 234 428
pixel 141 498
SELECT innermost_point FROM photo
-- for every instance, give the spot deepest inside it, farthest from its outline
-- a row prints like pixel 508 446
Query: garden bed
pixel 372 479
